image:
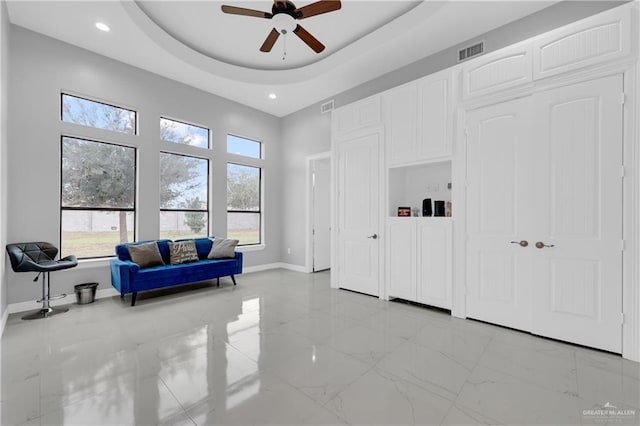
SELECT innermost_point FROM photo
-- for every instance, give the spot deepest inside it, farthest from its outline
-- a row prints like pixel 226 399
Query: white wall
pixel 308 132
pixel 4 86
pixel 40 68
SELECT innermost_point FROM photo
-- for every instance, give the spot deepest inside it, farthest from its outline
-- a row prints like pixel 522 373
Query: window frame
pixel 134 209
pixel 260 200
pixel 107 103
pixel 209 186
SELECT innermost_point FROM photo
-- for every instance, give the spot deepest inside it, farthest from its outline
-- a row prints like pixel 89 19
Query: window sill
pixel 256 247
pixel 94 263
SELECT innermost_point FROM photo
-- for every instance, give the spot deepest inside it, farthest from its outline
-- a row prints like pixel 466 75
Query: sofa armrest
pixel 122 272
pixel 238 262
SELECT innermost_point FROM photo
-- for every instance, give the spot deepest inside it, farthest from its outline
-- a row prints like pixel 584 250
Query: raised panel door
pixel 434 281
pixel 578 273
pixel 358 213
pixel 401 258
pixel 500 184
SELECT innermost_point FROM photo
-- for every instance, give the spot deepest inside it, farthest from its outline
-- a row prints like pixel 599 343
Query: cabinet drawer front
pixel 594 40
pixel 503 69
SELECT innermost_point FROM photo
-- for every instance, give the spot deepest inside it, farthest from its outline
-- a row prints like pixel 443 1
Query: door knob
pixel 522 243
pixel 542 245
pixel 374 236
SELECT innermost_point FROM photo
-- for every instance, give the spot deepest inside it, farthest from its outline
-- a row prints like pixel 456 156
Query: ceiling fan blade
pixel 270 41
pixel 246 12
pixel 311 41
pixel 317 8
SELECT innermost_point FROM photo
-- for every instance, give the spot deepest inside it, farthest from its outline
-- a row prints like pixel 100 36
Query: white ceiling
pixel 195 43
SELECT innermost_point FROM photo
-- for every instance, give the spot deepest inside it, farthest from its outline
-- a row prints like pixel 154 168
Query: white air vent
pixel 470 51
pixel 326 107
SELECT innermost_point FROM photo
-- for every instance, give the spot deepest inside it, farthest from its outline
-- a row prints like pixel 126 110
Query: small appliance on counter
pixel 438 208
pixel 426 207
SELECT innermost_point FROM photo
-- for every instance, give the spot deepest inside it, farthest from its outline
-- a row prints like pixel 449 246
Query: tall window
pixel 97 197
pixel 244 191
pixel 184 196
pixel 98 115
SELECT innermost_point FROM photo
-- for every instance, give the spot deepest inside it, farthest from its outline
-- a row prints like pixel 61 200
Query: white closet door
pixel 359 213
pixel 500 202
pixel 578 281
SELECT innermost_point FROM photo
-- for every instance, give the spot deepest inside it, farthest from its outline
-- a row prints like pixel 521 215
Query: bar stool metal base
pixel 45 313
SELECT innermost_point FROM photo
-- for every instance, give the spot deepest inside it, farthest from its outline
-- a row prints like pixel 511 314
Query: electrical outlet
pixel 288 250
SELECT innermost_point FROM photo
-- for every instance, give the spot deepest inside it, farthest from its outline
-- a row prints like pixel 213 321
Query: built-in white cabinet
pixel 400 117
pixel 595 40
pixel 500 70
pixel 418 260
pixel 418 119
pixel 356 116
pixel 600 39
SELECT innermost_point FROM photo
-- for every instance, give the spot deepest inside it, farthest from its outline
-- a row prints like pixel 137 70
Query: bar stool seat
pixel 40 257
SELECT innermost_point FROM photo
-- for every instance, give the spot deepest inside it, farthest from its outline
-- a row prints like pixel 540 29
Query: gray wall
pixel 4 86
pixel 40 67
pixel 308 132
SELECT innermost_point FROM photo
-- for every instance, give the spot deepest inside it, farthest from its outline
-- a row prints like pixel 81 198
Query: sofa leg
pixel 218 281
pixel 122 296
pixel 133 298
pixel 233 279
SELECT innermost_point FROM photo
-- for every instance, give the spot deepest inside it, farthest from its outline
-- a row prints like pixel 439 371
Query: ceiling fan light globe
pixel 283 23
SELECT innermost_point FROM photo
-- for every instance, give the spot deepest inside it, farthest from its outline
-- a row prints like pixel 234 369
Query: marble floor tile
pixel 318 371
pixel 598 385
pixel 262 399
pixel 431 369
pixel 139 402
pixel 512 401
pixel 363 343
pixel 557 373
pixel 466 347
pixel 459 415
pixel 395 323
pixel 380 398
pixel 284 348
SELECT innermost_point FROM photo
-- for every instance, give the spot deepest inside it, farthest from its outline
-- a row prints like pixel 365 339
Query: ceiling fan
pixel 284 14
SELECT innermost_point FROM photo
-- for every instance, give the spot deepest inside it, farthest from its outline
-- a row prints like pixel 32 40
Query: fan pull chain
pixel 284 47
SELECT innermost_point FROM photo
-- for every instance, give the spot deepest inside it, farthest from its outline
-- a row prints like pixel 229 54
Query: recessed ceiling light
pixel 102 26
pixel 272 96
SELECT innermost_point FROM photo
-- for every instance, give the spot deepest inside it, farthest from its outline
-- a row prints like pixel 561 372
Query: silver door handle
pixel 522 243
pixel 374 236
pixel 542 245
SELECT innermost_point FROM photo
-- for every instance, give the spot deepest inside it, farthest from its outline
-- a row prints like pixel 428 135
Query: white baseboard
pixel 269 266
pixel 32 305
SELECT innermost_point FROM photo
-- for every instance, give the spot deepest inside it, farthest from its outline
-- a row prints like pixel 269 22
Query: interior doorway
pixel 319 208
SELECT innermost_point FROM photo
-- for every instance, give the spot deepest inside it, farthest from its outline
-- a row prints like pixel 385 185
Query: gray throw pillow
pixel 145 255
pixel 183 252
pixel 222 248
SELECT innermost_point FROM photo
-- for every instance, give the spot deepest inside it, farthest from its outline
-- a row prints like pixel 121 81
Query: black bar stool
pixel 39 257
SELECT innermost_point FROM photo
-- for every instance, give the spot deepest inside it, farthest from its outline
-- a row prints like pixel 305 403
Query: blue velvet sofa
pixel 127 277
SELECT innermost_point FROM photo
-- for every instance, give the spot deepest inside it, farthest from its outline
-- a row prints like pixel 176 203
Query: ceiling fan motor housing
pixel 282 6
